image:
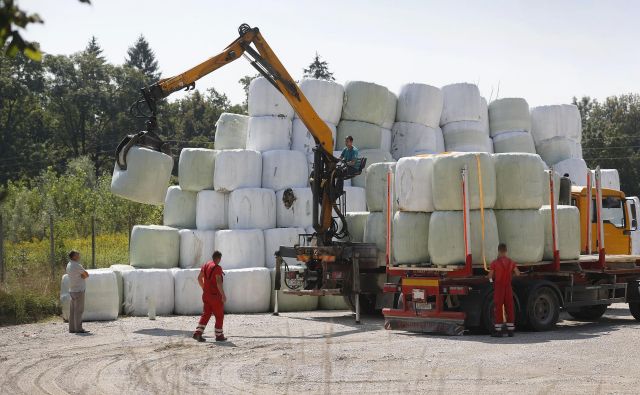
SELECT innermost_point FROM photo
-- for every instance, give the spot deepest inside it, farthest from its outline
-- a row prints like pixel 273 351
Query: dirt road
pixel 316 352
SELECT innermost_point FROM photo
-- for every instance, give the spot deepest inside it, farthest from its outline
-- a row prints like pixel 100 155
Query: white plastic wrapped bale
pixel 118 269
pixel 484 114
pixel 231 131
pixel 303 141
pixel 269 133
pixel 196 247
pixel 375 230
pixel 576 168
pixel 154 246
pixel 188 294
pixel 326 98
pixel 446 237
pixel 212 209
pixel 466 140
pixel 373 156
pixel 296 214
pixel 241 248
pixel 461 102
pixel 356 199
pixel 365 135
pixel 410 237
pixel 264 99
pixel 332 302
pixel 247 290
pixel 413 183
pixel 556 150
pixel 284 169
pixel 356 222
pixel 568 232
pixel 195 169
pixel 409 139
pixel 519 181
pixel 509 115
pixel 390 113
pixel 179 208
pixel 252 208
pixel 523 233
pixel 274 238
pixel 545 187
pixel 288 302
pixel 101 296
pixel 237 169
pixel 421 104
pixel 556 121
pixel 609 179
pixel 513 142
pixel 146 178
pixel 365 102
pixel 376 189
pixel 446 180
pixel 468 127
pixel 148 287
pixel 439 141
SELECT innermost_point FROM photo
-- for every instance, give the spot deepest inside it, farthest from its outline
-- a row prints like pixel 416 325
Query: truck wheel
pixel 634 308
pixel 542 309
pixel 588 313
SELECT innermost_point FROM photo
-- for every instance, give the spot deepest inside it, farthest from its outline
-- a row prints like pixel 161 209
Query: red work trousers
pixel 503 296
pixel 213 305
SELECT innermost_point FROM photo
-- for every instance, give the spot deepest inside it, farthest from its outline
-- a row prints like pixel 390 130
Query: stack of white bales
pixel 446 225
pixel 557 132
pixel 465 120
pixel 520 181
pixel 368 113
pixel 416 130
pixel 326 99
pixel 510 125
pixel 375 230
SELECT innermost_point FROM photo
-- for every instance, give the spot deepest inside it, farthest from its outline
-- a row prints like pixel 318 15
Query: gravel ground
pixel 316 352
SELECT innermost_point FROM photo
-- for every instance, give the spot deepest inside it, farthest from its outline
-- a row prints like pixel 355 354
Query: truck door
pixel 616 226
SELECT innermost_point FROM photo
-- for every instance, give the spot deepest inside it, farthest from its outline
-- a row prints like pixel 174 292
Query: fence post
pixel 1 251
pixel 52 253
pixel 93 241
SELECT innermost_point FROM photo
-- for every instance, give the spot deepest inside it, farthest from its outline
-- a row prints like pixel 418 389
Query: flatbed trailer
pixel 452 299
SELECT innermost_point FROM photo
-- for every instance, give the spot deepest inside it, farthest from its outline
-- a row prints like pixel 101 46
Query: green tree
pixel 12 18
pixel 611 136
pixel 318 69
pixel 141 57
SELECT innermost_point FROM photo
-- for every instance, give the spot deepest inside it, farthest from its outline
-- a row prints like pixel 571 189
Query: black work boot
pixel 198 336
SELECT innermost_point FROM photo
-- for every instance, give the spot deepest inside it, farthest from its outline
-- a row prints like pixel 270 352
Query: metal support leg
pixel 356 287
pixel 357 307
pixel 275 307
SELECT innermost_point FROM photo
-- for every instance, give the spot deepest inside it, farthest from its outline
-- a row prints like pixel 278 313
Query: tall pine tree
pixel 141 57
pixel 319 70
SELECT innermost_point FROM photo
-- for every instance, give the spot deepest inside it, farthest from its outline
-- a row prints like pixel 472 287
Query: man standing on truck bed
pixel 500 273
pixel 213 297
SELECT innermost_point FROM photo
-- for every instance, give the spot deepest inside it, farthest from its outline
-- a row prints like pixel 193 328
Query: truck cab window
pixel 612 211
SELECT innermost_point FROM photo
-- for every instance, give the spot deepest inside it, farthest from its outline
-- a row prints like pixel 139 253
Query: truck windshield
pixel 612 211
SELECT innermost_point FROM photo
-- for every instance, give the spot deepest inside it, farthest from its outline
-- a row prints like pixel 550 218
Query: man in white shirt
pixel 77 278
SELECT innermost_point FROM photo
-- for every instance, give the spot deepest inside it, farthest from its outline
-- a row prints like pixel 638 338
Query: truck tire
pixel 588 313
pixel 542 309
pixel 634 308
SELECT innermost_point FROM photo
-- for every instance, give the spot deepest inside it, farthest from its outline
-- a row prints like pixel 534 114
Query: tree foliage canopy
pixel 318 69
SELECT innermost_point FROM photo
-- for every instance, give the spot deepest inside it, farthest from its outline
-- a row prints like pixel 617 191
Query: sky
pixel 544 51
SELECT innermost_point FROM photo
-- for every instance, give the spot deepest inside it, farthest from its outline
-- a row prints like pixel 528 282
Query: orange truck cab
pixel 618 215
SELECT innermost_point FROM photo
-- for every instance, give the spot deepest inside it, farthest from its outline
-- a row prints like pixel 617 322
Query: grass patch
pixel 30 292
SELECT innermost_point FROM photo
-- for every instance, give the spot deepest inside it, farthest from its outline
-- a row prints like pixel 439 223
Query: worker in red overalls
pixel 213 297
pixel 500 273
